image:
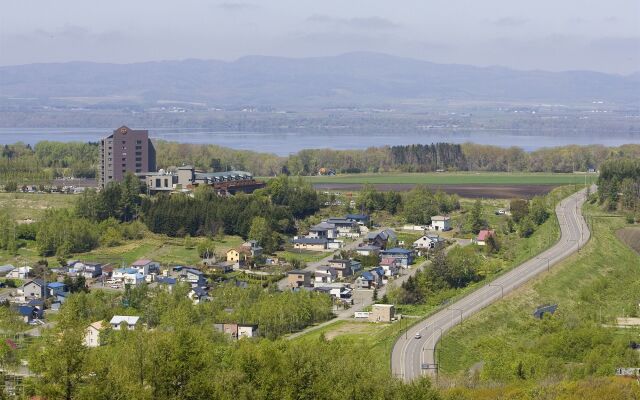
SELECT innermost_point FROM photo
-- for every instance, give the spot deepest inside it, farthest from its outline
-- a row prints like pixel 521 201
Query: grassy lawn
pixel 592 288
pixel 458 178
pixel 166 250
pixel 378 337
pixel 33 205
pixel 306 256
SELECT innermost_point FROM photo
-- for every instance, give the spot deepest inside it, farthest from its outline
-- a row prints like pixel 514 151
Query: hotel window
pixel 138 165
pixel 158 182
pixel 166 182
pixel 138 141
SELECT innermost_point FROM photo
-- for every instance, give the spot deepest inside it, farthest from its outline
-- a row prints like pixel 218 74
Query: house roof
pixel 54 285
pixel 368 248
pixel 440 218
pixel 484 234
pixel 96 325
pixel 141 263
pixel 367 276
pixel 126 270
pixel 129 319
pixel 357 216
pixel 37 281
pixel 298 272
pixel 25 310
pixel 165 280
pixel 193 271
pixel 397 250
pixel 307 240
pixel 6 268
pixel 387 261
pixel 322 226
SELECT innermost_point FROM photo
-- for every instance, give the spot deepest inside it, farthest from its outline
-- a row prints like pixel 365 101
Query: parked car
pixel 418 336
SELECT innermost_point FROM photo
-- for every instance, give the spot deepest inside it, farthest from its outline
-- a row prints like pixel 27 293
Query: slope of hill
pixel 348 79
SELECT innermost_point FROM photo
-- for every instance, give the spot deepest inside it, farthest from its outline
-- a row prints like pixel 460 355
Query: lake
pixel 285 143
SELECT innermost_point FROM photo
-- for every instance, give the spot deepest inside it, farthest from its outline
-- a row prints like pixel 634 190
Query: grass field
pixel 378 337
pixel 458 178
pixel 504 342
pixel 33 205
pixel 166 250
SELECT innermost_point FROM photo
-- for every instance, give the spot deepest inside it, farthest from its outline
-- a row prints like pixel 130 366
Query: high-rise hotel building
pixel 126 150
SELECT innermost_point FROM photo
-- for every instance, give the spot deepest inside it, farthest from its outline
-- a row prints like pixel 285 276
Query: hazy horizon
pixel 545 35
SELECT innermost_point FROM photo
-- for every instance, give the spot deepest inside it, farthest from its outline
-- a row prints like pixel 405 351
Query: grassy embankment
pixel 505 343
pixel 459 178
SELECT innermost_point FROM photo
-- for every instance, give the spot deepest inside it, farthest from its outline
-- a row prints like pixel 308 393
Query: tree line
pixel 619 184
pixel 20 163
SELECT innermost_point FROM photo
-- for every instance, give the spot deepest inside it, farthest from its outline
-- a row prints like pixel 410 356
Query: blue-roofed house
pixel 29 313
pixel 55 288
pixel 403 256
pixel 198 295
pixel 166 282
pixel 366 280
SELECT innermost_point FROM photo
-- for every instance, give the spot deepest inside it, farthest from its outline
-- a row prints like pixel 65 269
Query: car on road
pixel 418 336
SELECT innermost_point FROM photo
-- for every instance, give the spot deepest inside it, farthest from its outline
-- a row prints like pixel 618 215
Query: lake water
pixel 286 143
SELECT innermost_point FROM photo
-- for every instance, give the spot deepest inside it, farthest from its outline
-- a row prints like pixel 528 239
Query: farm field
pixel 23 206
pixel 467 184
pixel 458 178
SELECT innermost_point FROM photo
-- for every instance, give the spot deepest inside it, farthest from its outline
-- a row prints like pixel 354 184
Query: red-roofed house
pixel 483 235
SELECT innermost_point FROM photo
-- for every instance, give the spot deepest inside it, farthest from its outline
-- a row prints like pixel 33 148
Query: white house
pixel 129 320
pixel 428 242
pixel 92 334
pixel 145 267
pixel 19 273
pixel 323 230
pixel 441 223
pixel 325 274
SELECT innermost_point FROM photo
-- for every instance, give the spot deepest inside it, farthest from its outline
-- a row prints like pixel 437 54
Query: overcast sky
pixel 537 34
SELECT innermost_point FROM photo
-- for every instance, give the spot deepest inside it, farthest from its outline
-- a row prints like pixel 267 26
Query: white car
pixel 418 336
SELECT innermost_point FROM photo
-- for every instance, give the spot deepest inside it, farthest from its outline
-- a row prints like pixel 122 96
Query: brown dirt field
pixel 352 328
pixel 630 237
pixel 468 191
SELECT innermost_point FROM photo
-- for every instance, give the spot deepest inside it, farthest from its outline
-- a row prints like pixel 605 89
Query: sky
pixel 551 35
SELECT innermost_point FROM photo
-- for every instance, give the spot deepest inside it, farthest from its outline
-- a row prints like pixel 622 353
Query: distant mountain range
pixel 347 80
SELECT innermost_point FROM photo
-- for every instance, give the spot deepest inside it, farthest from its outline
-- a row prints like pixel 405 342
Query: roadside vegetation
pixel 505 343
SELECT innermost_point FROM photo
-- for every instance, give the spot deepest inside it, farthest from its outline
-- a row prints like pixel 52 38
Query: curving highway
pixel 412 357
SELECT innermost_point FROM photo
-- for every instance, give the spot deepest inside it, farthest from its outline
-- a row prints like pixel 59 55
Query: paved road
pixel 410 354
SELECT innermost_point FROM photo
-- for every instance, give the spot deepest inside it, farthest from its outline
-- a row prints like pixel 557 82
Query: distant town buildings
pixel 126 150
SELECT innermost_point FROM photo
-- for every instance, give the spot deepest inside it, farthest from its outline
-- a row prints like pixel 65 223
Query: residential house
pixel 92 270
pixel 382 313
pixel 146 267
pixel 345 227
pixel 390 266
pixel 379 276
pixel 29 313
pixel 365 280
pixel 128 276
pixel 310 243
pixel 298 278
pixel 166 282
pixel 222 267
pixel 198 295
pixel 483 235
pixel 34 289
pixel 359 218
pixel 323 230
pixel 403 256
pixel 325 274
pixel 340 291
pixel 19 273
pixel 367 250
pixel 441 223
pixel 194 277
pixel 56 288
pixel 127 321
pixel 253 247
pixel 5 269
pixel 345 268
pixel 238 331
pixel 238 256
pixel 92 334
pixel 428 242
pixel 382 238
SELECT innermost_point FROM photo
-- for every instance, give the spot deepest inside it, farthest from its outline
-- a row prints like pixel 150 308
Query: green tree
pixel 519 209
pixel 206 249
pixel 11 186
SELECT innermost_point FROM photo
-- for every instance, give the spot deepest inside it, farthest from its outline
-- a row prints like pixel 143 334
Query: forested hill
pixel 348 79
